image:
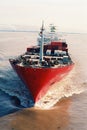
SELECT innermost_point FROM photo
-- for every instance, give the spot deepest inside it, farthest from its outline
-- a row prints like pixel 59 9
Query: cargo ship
pixel 43 65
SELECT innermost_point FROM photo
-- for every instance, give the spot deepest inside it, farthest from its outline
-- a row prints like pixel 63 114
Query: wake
pixel 65 88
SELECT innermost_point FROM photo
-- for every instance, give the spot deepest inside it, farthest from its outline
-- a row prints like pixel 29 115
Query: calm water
pixel 16 111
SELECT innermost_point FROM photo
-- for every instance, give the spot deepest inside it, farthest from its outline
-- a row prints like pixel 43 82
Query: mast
pixel 53 33
pixel 42 42
pixel 52 28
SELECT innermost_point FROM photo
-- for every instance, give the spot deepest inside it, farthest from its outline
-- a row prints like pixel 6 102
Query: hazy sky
pixel 68 15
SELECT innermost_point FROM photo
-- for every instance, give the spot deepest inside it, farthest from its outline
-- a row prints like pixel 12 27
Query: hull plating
pixel 39 80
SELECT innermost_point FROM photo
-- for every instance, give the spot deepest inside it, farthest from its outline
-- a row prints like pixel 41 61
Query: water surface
pixel 16 105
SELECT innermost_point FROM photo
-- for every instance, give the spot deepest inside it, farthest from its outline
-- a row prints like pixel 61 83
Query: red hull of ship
pixel 39 80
